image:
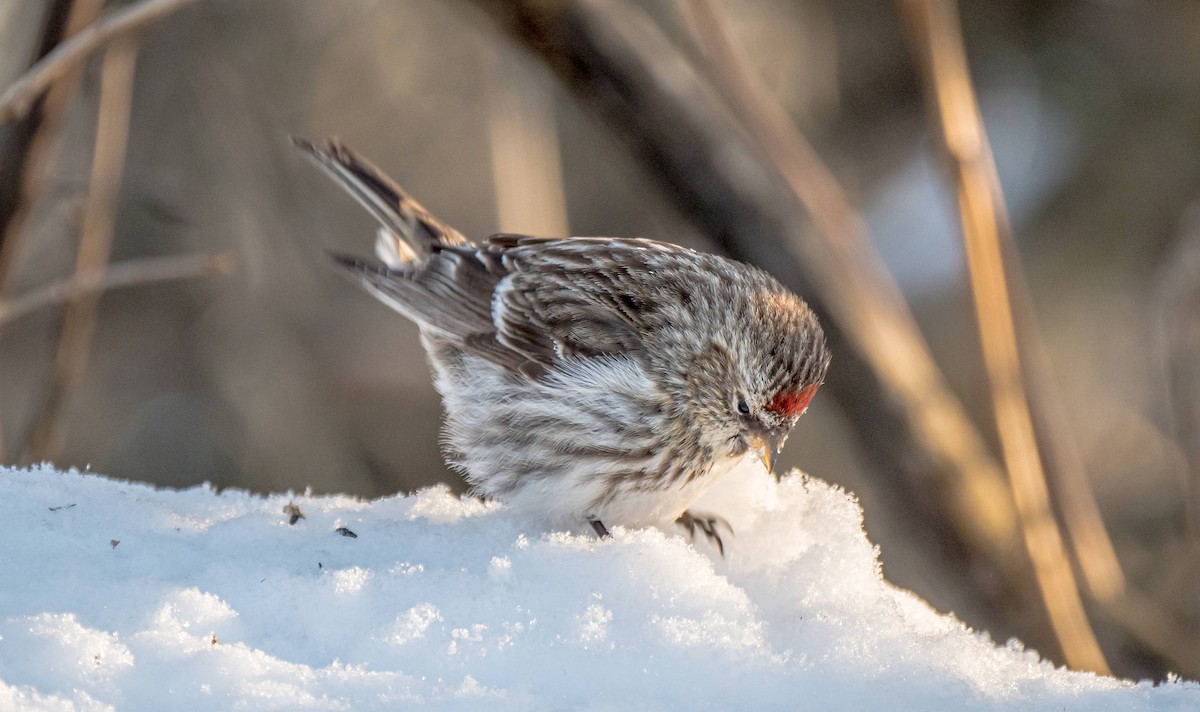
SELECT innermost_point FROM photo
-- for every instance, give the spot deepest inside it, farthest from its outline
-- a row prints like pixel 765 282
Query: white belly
pixel 574 497
pixel 525 443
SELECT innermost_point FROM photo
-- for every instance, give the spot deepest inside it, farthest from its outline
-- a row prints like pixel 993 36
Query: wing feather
pixel 527 303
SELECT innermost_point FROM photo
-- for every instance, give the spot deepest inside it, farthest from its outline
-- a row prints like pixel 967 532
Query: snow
pixel 119 596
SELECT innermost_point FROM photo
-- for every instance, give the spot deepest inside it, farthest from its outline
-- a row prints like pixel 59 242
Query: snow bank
pixel 120 596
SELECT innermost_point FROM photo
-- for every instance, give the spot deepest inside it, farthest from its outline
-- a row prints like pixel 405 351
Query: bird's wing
pixel 528 303
pixel 576 297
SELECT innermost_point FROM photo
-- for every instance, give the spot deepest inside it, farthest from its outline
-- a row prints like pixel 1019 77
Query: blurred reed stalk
pixel 526 165
pixel 938 41
pixel 95 242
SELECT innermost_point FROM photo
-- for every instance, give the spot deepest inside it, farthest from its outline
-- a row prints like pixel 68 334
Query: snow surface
pixel 120 596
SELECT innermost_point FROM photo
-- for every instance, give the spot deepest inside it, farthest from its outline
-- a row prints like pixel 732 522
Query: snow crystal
pixel 214 601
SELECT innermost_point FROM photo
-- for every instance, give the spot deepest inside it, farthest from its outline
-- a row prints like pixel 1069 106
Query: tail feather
pixel 357 265
pixel 408 232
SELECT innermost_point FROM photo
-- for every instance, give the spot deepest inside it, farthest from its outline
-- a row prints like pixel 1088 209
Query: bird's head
pixel 758 379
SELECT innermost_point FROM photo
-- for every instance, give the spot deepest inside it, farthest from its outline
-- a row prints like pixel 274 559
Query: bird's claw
pixel 706 523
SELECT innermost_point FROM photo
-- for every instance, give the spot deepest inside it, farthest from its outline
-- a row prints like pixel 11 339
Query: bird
pixel 594 381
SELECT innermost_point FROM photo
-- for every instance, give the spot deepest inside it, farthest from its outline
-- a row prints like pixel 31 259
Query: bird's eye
pixel 743 407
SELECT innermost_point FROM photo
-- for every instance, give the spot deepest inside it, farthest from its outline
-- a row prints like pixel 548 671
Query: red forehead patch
pixel 790 404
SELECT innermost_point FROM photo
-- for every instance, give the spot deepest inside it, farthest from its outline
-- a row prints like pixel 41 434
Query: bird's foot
pixel 599 528
pixel 706 523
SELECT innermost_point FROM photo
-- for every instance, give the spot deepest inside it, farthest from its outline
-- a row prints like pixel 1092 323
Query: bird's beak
pixel 766 445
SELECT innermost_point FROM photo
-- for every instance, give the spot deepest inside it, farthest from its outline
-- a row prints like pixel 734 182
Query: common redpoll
pixel 606 380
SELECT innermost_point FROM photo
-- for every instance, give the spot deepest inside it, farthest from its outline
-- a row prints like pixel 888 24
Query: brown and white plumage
pixel 589 379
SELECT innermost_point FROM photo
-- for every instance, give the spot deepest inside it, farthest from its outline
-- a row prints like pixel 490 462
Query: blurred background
pixel 633 119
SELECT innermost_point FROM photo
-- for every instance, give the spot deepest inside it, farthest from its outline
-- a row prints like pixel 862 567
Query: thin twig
pixel 938 39
pixel 862 293
pixel 17 99
pixel 131 273
pixel 95 240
